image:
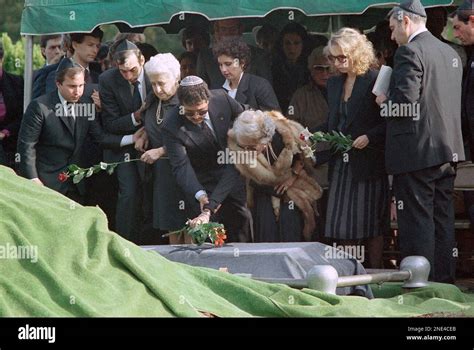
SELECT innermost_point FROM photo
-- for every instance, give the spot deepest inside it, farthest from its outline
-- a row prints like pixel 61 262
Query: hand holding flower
pixel 78 174
pixel 202 218
pixel 213 231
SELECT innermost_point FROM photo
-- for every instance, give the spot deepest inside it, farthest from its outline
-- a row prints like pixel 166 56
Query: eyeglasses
pixel 193 113
pixel 322 68
pixel 340 58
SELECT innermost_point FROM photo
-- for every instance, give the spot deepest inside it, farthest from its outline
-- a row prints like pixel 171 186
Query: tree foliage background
pixel 14 57
pixel 10 17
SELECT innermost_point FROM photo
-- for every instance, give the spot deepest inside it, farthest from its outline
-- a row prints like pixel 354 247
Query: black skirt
pixel 169 206
pixel 356 209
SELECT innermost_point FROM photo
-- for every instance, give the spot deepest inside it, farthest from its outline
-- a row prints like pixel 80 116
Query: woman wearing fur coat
pixel 281 191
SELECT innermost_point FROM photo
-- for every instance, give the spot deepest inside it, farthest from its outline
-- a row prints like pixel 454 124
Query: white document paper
pixel 382 83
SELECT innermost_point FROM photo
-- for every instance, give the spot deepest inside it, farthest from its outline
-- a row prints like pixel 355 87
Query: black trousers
pixel 129 214
pixel 237 220
pixel 425 215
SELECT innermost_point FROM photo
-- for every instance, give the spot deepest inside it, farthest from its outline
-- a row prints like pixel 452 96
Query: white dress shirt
pixel 419 31
pixel 231 92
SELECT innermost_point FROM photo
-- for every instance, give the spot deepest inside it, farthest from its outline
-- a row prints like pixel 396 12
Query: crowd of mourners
pixel 216 133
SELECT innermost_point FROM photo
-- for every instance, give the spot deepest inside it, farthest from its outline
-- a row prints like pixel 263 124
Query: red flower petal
pixel 62 177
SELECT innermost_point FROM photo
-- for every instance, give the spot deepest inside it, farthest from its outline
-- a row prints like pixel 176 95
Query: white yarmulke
pixel 191 80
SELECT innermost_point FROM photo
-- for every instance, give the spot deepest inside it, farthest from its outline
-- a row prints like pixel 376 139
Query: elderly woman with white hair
pixel 282 192
pixel 163 70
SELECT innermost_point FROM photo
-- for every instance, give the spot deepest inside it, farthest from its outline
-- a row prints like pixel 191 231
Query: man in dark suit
pixel 208 68
pixel 122 91
pixel 84 48
pixel 193 142
pixel 46 76
pixel 424 140
pixel 51 50
pixel 11 110
pixel 53 131
pixel 463 25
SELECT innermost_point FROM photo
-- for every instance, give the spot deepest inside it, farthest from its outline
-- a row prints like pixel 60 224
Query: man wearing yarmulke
pixel 424 140
pixel 122 91
pixel 194 134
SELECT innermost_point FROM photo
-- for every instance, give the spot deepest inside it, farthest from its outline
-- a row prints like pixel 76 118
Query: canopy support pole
pixel 28 73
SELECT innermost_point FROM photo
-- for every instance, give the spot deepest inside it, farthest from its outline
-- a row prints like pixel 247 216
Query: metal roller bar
pixel 356 280
pixel 414 271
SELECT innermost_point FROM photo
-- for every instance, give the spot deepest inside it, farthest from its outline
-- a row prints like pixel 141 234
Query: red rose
pixel 220 238
pixel 63 177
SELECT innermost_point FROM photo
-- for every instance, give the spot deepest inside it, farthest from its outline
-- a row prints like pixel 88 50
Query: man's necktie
pixel 137 99
pixel 70 116
pixel 87 76
pixel 207 132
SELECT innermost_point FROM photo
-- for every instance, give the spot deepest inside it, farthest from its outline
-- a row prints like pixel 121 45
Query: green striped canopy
pixel 66 16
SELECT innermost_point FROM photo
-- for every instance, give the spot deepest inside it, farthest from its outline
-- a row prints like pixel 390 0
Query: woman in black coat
pixel 233 56
pixel 358 199
pixel 164 73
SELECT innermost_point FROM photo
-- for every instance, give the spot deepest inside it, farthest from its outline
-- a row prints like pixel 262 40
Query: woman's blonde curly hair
pixel 356 47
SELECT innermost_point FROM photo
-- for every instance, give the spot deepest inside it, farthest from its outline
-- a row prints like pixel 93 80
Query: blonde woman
pixel 358 198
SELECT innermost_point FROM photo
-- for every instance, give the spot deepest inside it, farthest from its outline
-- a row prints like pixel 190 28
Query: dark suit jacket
pixel 194 159
pixel 208 68
pixel 257 93
pixel 468 105
pixel 12 88
pixel 41 79
pixel 428 73
pixel 47 145
pixel 116 98
pixel 363 119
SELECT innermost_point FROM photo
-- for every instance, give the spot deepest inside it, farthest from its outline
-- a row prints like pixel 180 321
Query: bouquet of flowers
pixel 212 230
pixel 78 174
pixel 337 140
